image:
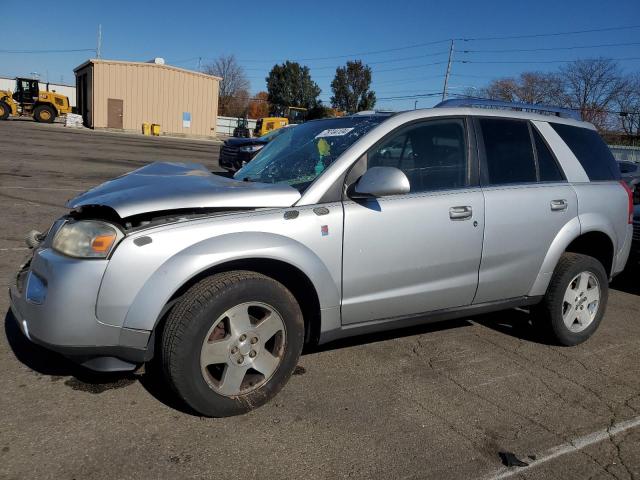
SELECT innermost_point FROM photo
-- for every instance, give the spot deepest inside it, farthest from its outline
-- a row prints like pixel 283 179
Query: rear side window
pixel 590 150
pixel 508 149
pixel 549 169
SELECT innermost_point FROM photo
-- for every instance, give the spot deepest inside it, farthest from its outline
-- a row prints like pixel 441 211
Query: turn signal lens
pixel 103 243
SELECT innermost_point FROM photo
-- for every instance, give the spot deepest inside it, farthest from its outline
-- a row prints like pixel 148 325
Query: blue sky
pixel 262 33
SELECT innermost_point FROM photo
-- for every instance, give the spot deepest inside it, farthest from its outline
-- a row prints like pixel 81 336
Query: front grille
pixel 229 157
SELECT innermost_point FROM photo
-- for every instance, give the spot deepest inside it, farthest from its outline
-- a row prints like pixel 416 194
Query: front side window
pixel 432 154
pixel 508 151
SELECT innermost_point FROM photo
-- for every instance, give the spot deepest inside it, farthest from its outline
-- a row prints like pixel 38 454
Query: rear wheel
pixel 576 299
pixel 232 342
pixel 44 114
pixel 4 110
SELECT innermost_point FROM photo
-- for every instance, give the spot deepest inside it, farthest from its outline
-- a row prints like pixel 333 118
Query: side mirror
pixel 382 181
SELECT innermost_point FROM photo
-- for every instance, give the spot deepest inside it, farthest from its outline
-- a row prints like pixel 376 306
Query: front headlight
pixel 86 239
pixel 251 148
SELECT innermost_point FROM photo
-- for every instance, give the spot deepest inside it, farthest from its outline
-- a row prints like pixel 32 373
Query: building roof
pixel 144 64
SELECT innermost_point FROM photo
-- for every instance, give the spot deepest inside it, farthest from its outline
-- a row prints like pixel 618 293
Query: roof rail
pixel 498 104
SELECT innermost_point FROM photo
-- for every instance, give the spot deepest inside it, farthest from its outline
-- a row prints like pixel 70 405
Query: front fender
pixel 148 304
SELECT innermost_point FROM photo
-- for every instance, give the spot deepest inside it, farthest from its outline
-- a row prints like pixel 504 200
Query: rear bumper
pixel 53 299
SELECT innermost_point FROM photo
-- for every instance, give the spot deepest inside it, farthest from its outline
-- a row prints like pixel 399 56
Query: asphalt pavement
pixel 439 401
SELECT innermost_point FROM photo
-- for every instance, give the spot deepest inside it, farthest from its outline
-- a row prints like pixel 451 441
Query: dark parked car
pixel 237 152
pixel 630 173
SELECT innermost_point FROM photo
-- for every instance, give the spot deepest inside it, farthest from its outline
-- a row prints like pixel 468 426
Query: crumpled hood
pixel 171 186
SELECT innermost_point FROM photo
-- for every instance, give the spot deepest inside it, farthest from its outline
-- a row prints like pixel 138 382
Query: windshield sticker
pixel 334 132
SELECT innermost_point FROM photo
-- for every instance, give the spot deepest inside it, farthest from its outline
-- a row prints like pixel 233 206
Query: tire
pixel 218 333
pixel 44 114
pixel 569 311
pixel 4 110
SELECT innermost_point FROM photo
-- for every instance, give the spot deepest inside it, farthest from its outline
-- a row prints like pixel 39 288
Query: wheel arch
pixel 597 243
pixel 294 279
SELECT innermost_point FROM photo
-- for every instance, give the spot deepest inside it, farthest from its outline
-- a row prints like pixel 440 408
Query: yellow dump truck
pixel 27 100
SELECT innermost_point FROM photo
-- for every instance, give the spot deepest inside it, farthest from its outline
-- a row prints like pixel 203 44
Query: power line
pixel 552 34
pixel 332 67
pixel 534 61
pixel 372 52
pixel 49 51
pixel 550 48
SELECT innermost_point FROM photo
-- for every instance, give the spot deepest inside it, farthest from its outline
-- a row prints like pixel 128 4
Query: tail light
pixel 630 195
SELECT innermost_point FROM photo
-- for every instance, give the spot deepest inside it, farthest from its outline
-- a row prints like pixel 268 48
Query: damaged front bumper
pixel 53 299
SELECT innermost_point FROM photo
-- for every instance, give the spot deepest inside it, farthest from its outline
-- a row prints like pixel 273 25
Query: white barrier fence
pixel 225 125
pixel 628 154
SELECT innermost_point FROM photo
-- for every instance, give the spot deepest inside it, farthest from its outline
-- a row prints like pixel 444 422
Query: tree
pixel 351 86
pixel 290 85
pixel 259 105
pixel 591 85
pixel 238 105
pixel 233 82
pixel 529 87
pixel 627 103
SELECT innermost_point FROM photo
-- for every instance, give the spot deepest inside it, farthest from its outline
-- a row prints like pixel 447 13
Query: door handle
pixel 558 205
pixel 460 213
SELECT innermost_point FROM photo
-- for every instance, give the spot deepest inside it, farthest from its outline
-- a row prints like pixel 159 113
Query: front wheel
pixel 232 342
pixel 576 299
pixel 44 114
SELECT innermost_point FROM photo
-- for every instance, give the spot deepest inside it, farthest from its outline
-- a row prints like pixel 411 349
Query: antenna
pixel 99 46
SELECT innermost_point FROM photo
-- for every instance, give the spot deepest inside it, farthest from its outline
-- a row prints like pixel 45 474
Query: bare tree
pixel 529 87
pixel 591 86
pixel 541 88
pixel 501 89
pixel 233 83
pixel 627 102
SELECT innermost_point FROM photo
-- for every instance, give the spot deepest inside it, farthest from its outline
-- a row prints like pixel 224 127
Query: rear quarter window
pixel 590 150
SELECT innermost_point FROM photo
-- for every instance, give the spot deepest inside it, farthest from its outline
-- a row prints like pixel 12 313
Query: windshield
pixel 299 154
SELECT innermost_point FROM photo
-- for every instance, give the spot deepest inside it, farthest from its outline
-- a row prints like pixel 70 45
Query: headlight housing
pixel 251 148
pixel 86 239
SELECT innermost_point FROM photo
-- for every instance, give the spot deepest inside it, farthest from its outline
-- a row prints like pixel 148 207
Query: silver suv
pixel 338 227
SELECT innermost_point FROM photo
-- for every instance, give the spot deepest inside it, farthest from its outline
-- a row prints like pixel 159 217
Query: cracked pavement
pixel 435 401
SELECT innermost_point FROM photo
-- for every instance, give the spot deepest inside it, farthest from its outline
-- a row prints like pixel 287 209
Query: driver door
pixel 418 252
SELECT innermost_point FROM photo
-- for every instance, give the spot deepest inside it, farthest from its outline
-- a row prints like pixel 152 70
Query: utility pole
pixel 415 104
pixel 446 77
pixel 99 46
pixel 199 63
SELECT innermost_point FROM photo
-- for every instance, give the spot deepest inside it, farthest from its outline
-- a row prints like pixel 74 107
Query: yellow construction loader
pixel 27 100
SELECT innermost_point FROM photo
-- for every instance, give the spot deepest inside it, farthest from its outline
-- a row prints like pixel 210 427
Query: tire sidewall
pixel 586 264
pixel 188 378
pixel 6 110
pixel 37 111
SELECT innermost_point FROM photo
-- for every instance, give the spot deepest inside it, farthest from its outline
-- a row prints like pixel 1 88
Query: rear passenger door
pixel 527 202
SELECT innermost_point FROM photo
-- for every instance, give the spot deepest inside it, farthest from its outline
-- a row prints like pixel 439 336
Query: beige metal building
pixel 124 95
